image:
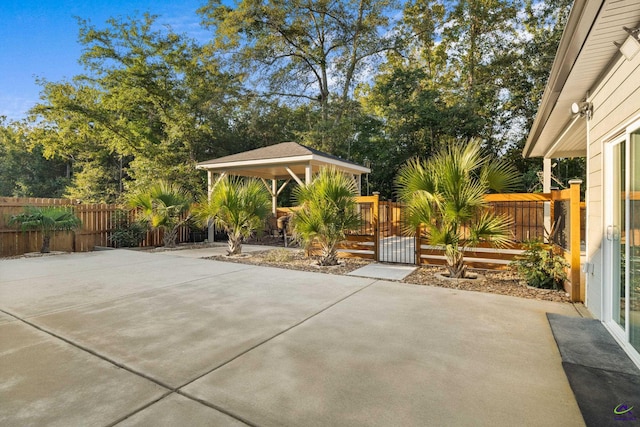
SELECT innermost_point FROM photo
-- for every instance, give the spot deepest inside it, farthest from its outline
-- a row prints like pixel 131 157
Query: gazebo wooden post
pixel 307 174
pixel 210 227
pixel 274 197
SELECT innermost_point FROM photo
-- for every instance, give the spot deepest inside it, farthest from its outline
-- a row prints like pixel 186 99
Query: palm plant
pixel 327 210
pixel 239 207
pixel 165 206
pixel 445 197
pixel 47 220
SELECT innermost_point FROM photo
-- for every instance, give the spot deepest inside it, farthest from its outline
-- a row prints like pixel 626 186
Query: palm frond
pixel 492 228
pixel 500 176
pixel 163 205
pixel 327 210
pixel 239 206
pixel 446 195
pixel 47 219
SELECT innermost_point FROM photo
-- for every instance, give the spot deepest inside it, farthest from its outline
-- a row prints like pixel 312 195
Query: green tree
pixel 163 205
pixel 72 124
pixel 24 171
pixel 445 196
pixel 327 209
pixel 150 105
pixel 443 80
pixel 47 220
pixel 413 118
pixel 258 122
pixel 311 53
pixel 239 206
pixel 309 50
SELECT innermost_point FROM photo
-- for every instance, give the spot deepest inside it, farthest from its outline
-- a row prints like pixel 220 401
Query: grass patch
pixel 279 255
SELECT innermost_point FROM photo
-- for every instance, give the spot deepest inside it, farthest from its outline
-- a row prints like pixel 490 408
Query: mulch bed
pixel 506 282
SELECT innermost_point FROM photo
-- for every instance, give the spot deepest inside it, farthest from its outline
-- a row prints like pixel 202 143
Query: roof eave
pixel 283 161
pixel 581 19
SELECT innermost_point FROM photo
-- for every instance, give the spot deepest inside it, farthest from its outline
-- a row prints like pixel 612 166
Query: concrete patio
pixel 131 338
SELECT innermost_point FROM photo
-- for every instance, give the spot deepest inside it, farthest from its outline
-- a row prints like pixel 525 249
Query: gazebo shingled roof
pixel 284 161
pixel 271 162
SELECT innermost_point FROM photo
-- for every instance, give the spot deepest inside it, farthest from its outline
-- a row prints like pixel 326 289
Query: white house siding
pixel 616 102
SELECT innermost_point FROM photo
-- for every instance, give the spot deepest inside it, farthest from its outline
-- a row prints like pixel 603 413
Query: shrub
pixel 327 211
pixel 240 206
pixel 165 206
pixel 126 234
pixel 542 266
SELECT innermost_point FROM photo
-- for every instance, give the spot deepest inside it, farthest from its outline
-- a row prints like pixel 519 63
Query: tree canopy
pixel 376 82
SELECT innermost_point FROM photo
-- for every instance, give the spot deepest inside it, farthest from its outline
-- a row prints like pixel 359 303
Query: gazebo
pixel 280 162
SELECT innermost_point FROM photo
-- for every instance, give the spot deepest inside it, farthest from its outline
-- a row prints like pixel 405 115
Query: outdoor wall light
pixel 582 108
pixel 631 45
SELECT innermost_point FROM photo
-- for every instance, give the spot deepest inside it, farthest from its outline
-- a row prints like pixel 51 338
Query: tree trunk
pixel 169 237
pixel 353 61
pixel 456 267
pixel 235 245
pixel 46 239
pixel 329 255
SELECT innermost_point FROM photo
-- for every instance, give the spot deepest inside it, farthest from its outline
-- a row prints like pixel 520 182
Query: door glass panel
pixel 616 233
pixel 634 241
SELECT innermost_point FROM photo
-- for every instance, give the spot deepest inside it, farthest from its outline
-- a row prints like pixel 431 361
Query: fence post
pixel 417 244
pixel 574 244
pixel 375 211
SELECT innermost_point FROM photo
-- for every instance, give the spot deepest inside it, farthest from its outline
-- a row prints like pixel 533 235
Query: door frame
pixel 621 335
pixel 609 174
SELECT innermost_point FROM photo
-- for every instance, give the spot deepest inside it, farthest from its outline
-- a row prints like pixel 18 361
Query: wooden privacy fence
pixel 532 216
pixel 381 235
pixel 98 223
pixel 559 212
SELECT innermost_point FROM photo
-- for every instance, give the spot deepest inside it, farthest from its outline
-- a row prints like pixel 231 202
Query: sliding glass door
pixel 633 262
pixel 622 198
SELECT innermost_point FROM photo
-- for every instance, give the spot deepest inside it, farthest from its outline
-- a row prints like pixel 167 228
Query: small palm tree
pixel 165 206
pixel 327 210
pixel 445 196
pixel 47 220
pixel 238 206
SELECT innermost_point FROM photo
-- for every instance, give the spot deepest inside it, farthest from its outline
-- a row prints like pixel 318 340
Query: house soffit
pixel 589 52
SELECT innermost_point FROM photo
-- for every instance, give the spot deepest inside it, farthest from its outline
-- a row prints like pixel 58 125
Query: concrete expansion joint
pixel 218 408
pixel 140 409
pixel 266 340
pixel 87 350
pixel 170 389
pixel 243 267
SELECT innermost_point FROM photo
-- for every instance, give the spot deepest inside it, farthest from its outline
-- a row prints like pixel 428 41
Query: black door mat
pixel 605 382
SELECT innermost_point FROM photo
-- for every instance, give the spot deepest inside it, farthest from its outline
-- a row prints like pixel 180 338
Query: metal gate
pixel 394 246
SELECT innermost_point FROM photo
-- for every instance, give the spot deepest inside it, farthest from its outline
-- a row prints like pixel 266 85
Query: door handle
pixel 613 233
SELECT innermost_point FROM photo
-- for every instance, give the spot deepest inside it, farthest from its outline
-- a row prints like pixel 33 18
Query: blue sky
pixel 39 39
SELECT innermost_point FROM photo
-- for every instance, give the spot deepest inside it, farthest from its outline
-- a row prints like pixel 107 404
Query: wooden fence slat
pixel 97 226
